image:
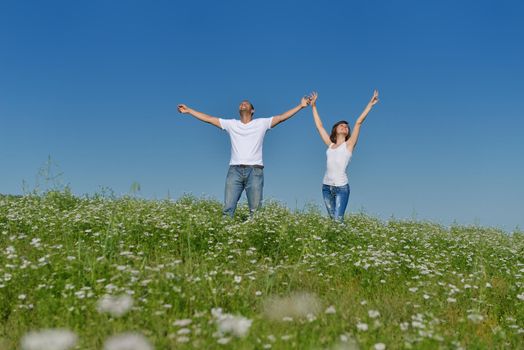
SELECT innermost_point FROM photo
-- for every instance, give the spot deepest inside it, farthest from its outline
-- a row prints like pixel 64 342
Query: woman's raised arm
pixel 318 123
pixel 352 142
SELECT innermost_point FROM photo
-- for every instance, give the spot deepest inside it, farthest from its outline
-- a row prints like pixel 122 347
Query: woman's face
pixel 342 129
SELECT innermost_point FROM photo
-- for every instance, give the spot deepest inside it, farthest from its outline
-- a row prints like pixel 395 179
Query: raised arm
pixel 199 115
pixel 284 116
pixel 352 142
pixel 318 123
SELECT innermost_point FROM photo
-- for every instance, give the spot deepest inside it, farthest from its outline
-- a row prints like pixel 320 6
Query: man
pixel 246 168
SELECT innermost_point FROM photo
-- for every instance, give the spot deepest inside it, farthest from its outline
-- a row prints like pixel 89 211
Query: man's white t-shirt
pixel 246 139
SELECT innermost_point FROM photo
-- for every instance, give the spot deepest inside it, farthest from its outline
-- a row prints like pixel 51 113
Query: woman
pixel 341 143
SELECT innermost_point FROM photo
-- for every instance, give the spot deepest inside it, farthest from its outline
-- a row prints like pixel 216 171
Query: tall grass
pixel 305 282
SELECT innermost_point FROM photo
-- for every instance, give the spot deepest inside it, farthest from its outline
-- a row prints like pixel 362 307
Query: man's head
pixel 246 108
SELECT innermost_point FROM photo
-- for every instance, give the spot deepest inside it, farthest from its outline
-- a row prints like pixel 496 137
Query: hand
pixel 374 99
pixel 313 98
pixel 183 109
pixel 304 101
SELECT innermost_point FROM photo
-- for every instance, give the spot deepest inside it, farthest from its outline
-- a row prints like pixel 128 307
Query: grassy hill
pixel 282 280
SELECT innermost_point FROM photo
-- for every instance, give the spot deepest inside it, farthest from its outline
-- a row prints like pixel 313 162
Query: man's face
pixel 245 106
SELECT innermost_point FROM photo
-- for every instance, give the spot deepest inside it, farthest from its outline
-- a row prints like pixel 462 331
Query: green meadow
pixel 281 280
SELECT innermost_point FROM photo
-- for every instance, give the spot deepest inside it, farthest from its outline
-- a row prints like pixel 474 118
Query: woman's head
pixel 341 127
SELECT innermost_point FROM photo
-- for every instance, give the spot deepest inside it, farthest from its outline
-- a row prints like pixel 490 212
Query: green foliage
pixel 409 284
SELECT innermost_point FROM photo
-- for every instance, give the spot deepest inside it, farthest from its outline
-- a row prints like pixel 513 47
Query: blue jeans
pixel 240 178
pixel 336 200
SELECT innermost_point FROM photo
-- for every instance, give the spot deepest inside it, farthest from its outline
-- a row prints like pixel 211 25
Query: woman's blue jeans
pixel 240 178
pixel 336 200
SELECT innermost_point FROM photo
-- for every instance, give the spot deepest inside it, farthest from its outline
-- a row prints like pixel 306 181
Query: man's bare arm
pixel 284 116
pixel 182 108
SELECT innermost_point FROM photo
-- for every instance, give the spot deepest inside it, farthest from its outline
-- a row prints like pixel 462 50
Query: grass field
pixel 188 279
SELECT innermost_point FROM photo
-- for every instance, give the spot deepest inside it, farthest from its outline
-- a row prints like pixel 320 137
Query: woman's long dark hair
pixel 333 136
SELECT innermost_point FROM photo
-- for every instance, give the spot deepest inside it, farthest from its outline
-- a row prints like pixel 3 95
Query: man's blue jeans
pixel 240 178
pixel 336 200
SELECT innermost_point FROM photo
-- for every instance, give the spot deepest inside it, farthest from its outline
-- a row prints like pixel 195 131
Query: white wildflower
pixel 345 343
pixel 127 341
pixel 182 339
pixel 81 294
pixel 362 326
pixel 115 306
pixel 373 313
pixel 330 310
pixel 216 312
pixel 35 242
pixel 49 339
pixel 227 323
pixel 299 305
pixel 380 346
pixel 417 324
pixel 183 322
pixel 183 331
pixel 223 341
pixel 475 318
pixel 311 317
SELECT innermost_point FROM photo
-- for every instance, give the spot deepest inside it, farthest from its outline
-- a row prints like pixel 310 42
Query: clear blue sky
pixel 95 85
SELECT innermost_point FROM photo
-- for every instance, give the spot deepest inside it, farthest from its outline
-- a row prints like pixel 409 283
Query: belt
pixel 249 166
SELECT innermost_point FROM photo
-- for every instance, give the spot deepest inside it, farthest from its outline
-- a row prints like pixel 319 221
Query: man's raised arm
pixel 182 108
pixel 284 116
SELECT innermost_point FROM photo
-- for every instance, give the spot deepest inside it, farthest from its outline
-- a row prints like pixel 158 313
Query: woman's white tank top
pixel 337 162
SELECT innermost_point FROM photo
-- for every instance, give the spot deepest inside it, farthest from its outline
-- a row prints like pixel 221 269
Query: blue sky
pixel 95 85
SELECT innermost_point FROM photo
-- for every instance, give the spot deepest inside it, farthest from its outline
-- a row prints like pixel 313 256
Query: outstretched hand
pixel 182 108
pixel 374 99
pixel 304 101
pixel 313 98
